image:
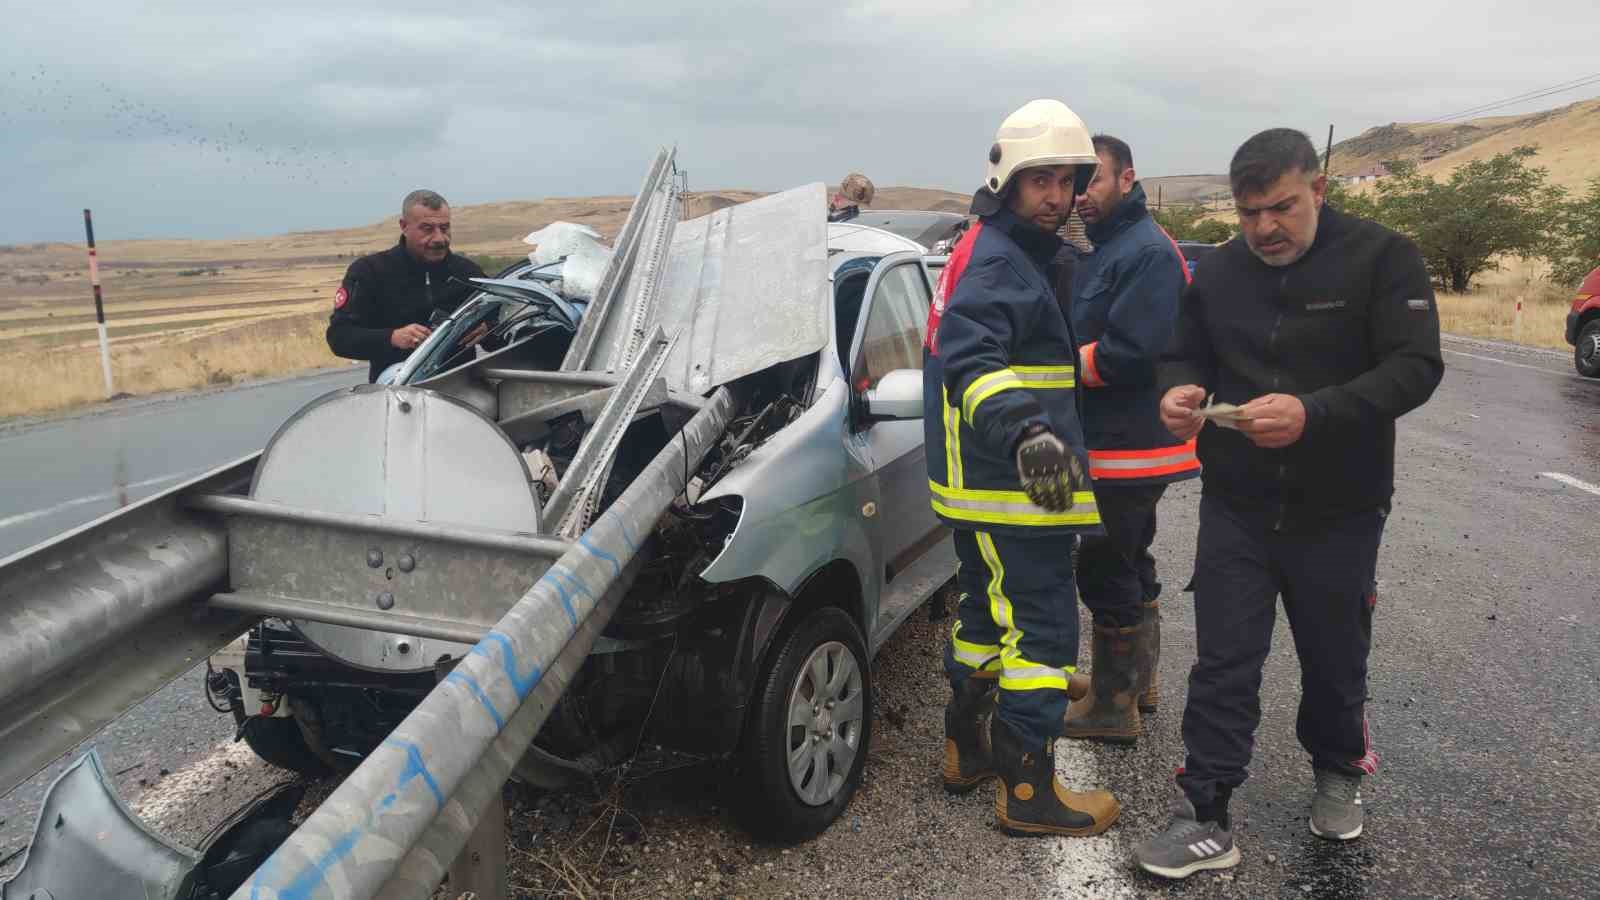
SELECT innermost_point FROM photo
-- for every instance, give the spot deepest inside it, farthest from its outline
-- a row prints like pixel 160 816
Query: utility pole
pixel 1328 159
pixel 99 306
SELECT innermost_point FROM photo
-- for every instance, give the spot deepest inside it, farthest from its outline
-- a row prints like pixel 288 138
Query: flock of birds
pixel 45 105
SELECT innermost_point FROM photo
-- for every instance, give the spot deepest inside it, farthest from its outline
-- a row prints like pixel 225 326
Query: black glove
pixel 1051 473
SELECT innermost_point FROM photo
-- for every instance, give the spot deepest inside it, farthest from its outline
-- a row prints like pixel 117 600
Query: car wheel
pixel 278 740
pixel 1586 355
pixel 810 724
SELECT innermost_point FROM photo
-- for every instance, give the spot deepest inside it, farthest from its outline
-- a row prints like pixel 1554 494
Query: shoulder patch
pixel 340 297
pixel 1420 303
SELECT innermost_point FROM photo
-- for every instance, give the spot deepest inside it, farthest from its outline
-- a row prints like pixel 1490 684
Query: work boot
pixel 1108 713
pixel 1188 845
pixel 967 760
pixel 1336 812
pixel 1150 658
pixel 1030 800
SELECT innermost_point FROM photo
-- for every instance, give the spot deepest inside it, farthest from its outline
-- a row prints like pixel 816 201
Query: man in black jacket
pixel 382 310
pixel 1322 329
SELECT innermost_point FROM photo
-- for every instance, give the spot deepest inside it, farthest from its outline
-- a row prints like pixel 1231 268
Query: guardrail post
pixel 480 868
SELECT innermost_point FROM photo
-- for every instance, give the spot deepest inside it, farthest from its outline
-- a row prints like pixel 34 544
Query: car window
pixel 896 322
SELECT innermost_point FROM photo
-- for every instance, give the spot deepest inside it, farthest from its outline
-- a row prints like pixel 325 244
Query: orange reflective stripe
pixel 1153 463
pixel 1091 374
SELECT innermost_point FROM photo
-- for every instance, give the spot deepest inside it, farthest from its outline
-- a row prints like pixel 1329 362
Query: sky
pixel 175 118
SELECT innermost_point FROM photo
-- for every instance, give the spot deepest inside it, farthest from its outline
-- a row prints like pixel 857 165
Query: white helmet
pixel 1041 133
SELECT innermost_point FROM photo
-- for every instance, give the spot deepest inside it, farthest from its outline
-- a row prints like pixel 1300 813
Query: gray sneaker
pixel 1336 809
pixel 1187 846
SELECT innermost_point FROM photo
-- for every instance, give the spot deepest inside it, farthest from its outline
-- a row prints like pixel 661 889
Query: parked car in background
pixel 1194 251
pixel 1583 326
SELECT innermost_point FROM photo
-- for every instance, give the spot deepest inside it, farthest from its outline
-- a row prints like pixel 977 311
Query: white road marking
pixel 1503 362
pixel 1569 481
pixel 20 518
pixel 1093 867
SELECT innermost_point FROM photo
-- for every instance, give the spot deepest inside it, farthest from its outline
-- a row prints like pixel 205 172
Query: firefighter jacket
pixel 1000 359
pixel 1124 307
pixel 389 290
pixel 1350 329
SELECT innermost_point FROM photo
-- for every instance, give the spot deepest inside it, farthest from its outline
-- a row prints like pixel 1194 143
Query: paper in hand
pixel 1224 414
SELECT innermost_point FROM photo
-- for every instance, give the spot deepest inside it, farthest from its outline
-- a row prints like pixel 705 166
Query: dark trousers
pixel 1327 578
pixel 1116 572
pixel 1018 617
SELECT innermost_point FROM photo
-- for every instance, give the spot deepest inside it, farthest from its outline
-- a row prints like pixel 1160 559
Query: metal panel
pixel 99 618
pixel 746 288
pixel 408 794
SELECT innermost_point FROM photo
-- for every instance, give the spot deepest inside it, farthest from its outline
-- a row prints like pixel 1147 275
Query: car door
pixel 889 336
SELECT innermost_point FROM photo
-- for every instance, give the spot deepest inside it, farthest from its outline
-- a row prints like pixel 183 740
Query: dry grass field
pixel 188 313
pixel 1490 310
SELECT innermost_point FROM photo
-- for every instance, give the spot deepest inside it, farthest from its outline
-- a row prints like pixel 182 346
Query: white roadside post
pixel 99 306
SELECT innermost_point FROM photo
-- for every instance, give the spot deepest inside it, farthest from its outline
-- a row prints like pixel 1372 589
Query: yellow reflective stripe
pixel 985 386
pixel 952 440
pixel 1041 378
pixel 999 605
pixel 1009 507
pixel 1033 678
pixel 977 656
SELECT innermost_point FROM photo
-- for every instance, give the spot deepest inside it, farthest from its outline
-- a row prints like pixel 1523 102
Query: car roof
pixel 856 238
pixel 925 226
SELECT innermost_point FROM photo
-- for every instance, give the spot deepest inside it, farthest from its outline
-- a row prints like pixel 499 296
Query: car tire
pixel 821 660
pixel 278 741
pixel 1586 353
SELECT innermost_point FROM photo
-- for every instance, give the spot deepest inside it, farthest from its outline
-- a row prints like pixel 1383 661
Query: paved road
pixel 65 472
pixel 1485 706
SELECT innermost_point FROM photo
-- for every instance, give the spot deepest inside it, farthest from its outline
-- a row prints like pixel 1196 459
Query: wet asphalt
pixel 1485 686
pixel 1485 668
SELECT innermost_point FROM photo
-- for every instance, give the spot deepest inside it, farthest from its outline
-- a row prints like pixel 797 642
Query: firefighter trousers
pixel 1018 616
pixel 1116 572
pixel 1327 578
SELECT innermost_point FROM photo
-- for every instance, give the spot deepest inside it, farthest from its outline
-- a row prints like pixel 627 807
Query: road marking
pixel 20 518
pixel 1091 867
pixel 1503 362
pixel 1569 481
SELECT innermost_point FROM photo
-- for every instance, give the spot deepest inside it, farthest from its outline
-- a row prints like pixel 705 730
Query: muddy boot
pixel 1150 658
pixel 967 761
pixel 1030 800
pixel 1108 713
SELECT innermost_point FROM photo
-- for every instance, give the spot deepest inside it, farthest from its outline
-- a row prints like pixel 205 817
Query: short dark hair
pixel 422 197
pixel 1270 155
pixel 1116 148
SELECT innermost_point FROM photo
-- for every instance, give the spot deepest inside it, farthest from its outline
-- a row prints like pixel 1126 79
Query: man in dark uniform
pixel 382 309
pixel 1124 307
pixel 1322 328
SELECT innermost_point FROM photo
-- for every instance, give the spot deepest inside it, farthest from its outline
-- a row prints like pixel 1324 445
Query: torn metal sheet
pixel 746 288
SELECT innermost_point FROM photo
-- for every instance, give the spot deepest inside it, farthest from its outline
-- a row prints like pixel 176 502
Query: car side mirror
pixel 898 396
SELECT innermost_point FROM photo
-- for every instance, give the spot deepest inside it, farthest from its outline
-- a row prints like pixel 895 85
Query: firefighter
pixel 1009 474
pixel 1124 306
pixel 383 308
pixel 1323 328
pixel 854 192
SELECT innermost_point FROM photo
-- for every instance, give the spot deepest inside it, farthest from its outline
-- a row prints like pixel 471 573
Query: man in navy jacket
pixel 1124 306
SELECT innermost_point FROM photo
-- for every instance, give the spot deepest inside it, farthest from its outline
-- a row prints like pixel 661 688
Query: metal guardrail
pixel 396 821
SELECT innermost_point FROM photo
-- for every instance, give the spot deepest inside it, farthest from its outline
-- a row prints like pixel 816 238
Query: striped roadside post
pixel 99 305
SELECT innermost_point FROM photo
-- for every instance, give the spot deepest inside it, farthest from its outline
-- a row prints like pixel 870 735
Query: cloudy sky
pixel 191 119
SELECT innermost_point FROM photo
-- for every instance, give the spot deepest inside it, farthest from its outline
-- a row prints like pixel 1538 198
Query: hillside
pixel 1568 139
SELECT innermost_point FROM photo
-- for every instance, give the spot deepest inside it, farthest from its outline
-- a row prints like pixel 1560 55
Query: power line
pixel 1534 94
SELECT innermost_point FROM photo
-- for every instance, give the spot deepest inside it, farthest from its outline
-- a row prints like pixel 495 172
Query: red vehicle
pixel 1583 327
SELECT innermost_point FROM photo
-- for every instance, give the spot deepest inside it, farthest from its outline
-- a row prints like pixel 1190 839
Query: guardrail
pixel 399 819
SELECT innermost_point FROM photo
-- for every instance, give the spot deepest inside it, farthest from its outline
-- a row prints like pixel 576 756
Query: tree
pixel 1575 239
pixel 1487 208
pixel 1342 198
pixel 1188 223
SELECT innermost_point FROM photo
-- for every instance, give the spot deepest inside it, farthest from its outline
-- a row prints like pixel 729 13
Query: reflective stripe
pixel 1091 374
pixel 1016 673
pixel 1143 463
pixel 977 656
pixel 1035 377
pixel 952 440
pixel 1009 507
